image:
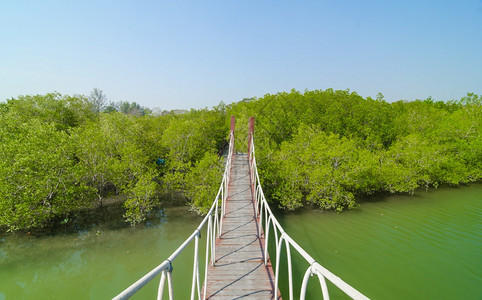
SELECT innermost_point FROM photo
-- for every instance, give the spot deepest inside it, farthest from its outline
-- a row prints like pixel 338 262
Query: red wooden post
pixel 251 125
pixel 233 122
pixel 251 159
pixel 250 134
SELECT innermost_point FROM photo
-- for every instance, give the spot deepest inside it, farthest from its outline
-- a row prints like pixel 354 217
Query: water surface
pixel 426 246
pixel 97 263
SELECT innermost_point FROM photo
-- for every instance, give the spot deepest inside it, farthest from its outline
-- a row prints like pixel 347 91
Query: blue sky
pixel 194 54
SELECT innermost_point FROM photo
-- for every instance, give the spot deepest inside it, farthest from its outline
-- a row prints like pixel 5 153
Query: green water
pixel 427 246
pixel 97 263
pixel 423 247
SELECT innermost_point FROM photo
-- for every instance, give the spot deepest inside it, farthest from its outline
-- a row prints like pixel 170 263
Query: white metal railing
pixel 264 212
pixel 214 228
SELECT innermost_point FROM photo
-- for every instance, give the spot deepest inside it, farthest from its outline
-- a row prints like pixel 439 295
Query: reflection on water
pixel 423 247
pixel 427 246
pixel 93 263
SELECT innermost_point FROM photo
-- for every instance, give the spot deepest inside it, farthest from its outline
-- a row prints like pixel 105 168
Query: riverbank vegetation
pixel 60 154
pixel 330 148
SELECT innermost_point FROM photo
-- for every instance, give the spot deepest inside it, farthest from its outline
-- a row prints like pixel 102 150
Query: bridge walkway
pixel 239 270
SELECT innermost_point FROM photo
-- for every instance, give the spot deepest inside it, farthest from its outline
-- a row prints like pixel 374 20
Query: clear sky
pixel 194 54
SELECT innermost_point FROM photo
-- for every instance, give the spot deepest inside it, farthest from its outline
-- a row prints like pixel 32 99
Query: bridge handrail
pixel 214 220
pixel 262 209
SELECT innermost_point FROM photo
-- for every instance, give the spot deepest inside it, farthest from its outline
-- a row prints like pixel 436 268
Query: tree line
pixel 331 148
pixel 61 153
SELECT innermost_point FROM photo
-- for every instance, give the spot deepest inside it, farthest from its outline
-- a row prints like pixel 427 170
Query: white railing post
pixel 260 222
pixel 266 239
pixel 206 264
pixel 169 284
pixel 222 213
pixel 290 269
pixel 160 291
pixel 216 218
pixel 324 287
pixel 276 276
pixel 195 269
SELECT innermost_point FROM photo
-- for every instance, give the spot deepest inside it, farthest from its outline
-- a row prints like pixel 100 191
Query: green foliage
pixel 188 139
pixel 140 198
pixel 327 148
pixel 203 182
pixel 124 107
pixel 109 157
pixel 37 175
pixel 320 168
pixel 98 100
pixel 38 170
pixel 60 153
pixel 132 108
pixel 330 148
pixel 62 111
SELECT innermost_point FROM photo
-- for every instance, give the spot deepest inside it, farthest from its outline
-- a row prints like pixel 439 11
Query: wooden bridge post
pixel 250 157
pixel 233 123
pixel 250 134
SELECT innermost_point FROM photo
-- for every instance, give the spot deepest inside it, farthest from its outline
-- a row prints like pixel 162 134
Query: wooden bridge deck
pixel 239 271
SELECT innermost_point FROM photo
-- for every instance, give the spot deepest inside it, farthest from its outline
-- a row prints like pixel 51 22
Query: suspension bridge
pixel 237 228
